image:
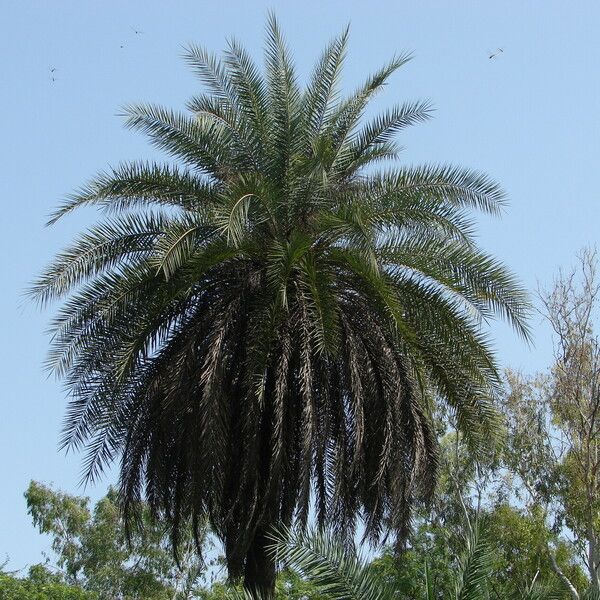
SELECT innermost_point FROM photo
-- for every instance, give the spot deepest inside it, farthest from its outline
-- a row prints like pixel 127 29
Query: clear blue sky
pixel 530 118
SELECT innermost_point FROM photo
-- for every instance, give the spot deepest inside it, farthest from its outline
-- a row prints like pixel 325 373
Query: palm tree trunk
pixel 259 573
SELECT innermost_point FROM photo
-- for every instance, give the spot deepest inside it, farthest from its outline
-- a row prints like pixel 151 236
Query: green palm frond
pixel 541 592
pixel 140 185
pixel 332 568
pixel 376 135
pixel 347 115
pixel 198 142
pixel 178 242
pixel 128 238
pixel 211 73
pixel 251 92
pixel 323 89
pixel 454 186
pixel 474 567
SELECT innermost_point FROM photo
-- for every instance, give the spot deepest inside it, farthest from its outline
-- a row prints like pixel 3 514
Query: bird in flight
pixel 52 71
pixel 496 53
pixel 136 31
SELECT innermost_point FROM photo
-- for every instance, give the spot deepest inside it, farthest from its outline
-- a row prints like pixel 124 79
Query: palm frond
pixel 202 144
pixel 376 134
pixel 333 569
pixel 140 185
pixel 475 567
pixel 444 184
pixel 322 91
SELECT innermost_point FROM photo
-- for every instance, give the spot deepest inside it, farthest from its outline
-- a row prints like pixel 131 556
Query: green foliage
pixel 518 535
pixel 291 586
pixel 12 588
pixel 515 552
pixel 430 553
pixel 94 549
pixel 520 540
pixel 441 561
pixel 65 516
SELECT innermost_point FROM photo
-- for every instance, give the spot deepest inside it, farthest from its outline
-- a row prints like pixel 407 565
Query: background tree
pixel 14 588
pixel 93 549
pixel 518 539
pixel 470 491
pixel 95 557
pixel 554 421
pixel 268 319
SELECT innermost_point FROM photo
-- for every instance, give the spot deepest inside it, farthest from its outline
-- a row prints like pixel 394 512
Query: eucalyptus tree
pixel 262 323
pixel 556 463
pixel 91 549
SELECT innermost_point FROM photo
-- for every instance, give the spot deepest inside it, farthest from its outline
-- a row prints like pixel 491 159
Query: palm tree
pixel 264 325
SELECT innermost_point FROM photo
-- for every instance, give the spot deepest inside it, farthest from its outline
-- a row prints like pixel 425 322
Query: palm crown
pixel 271 317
